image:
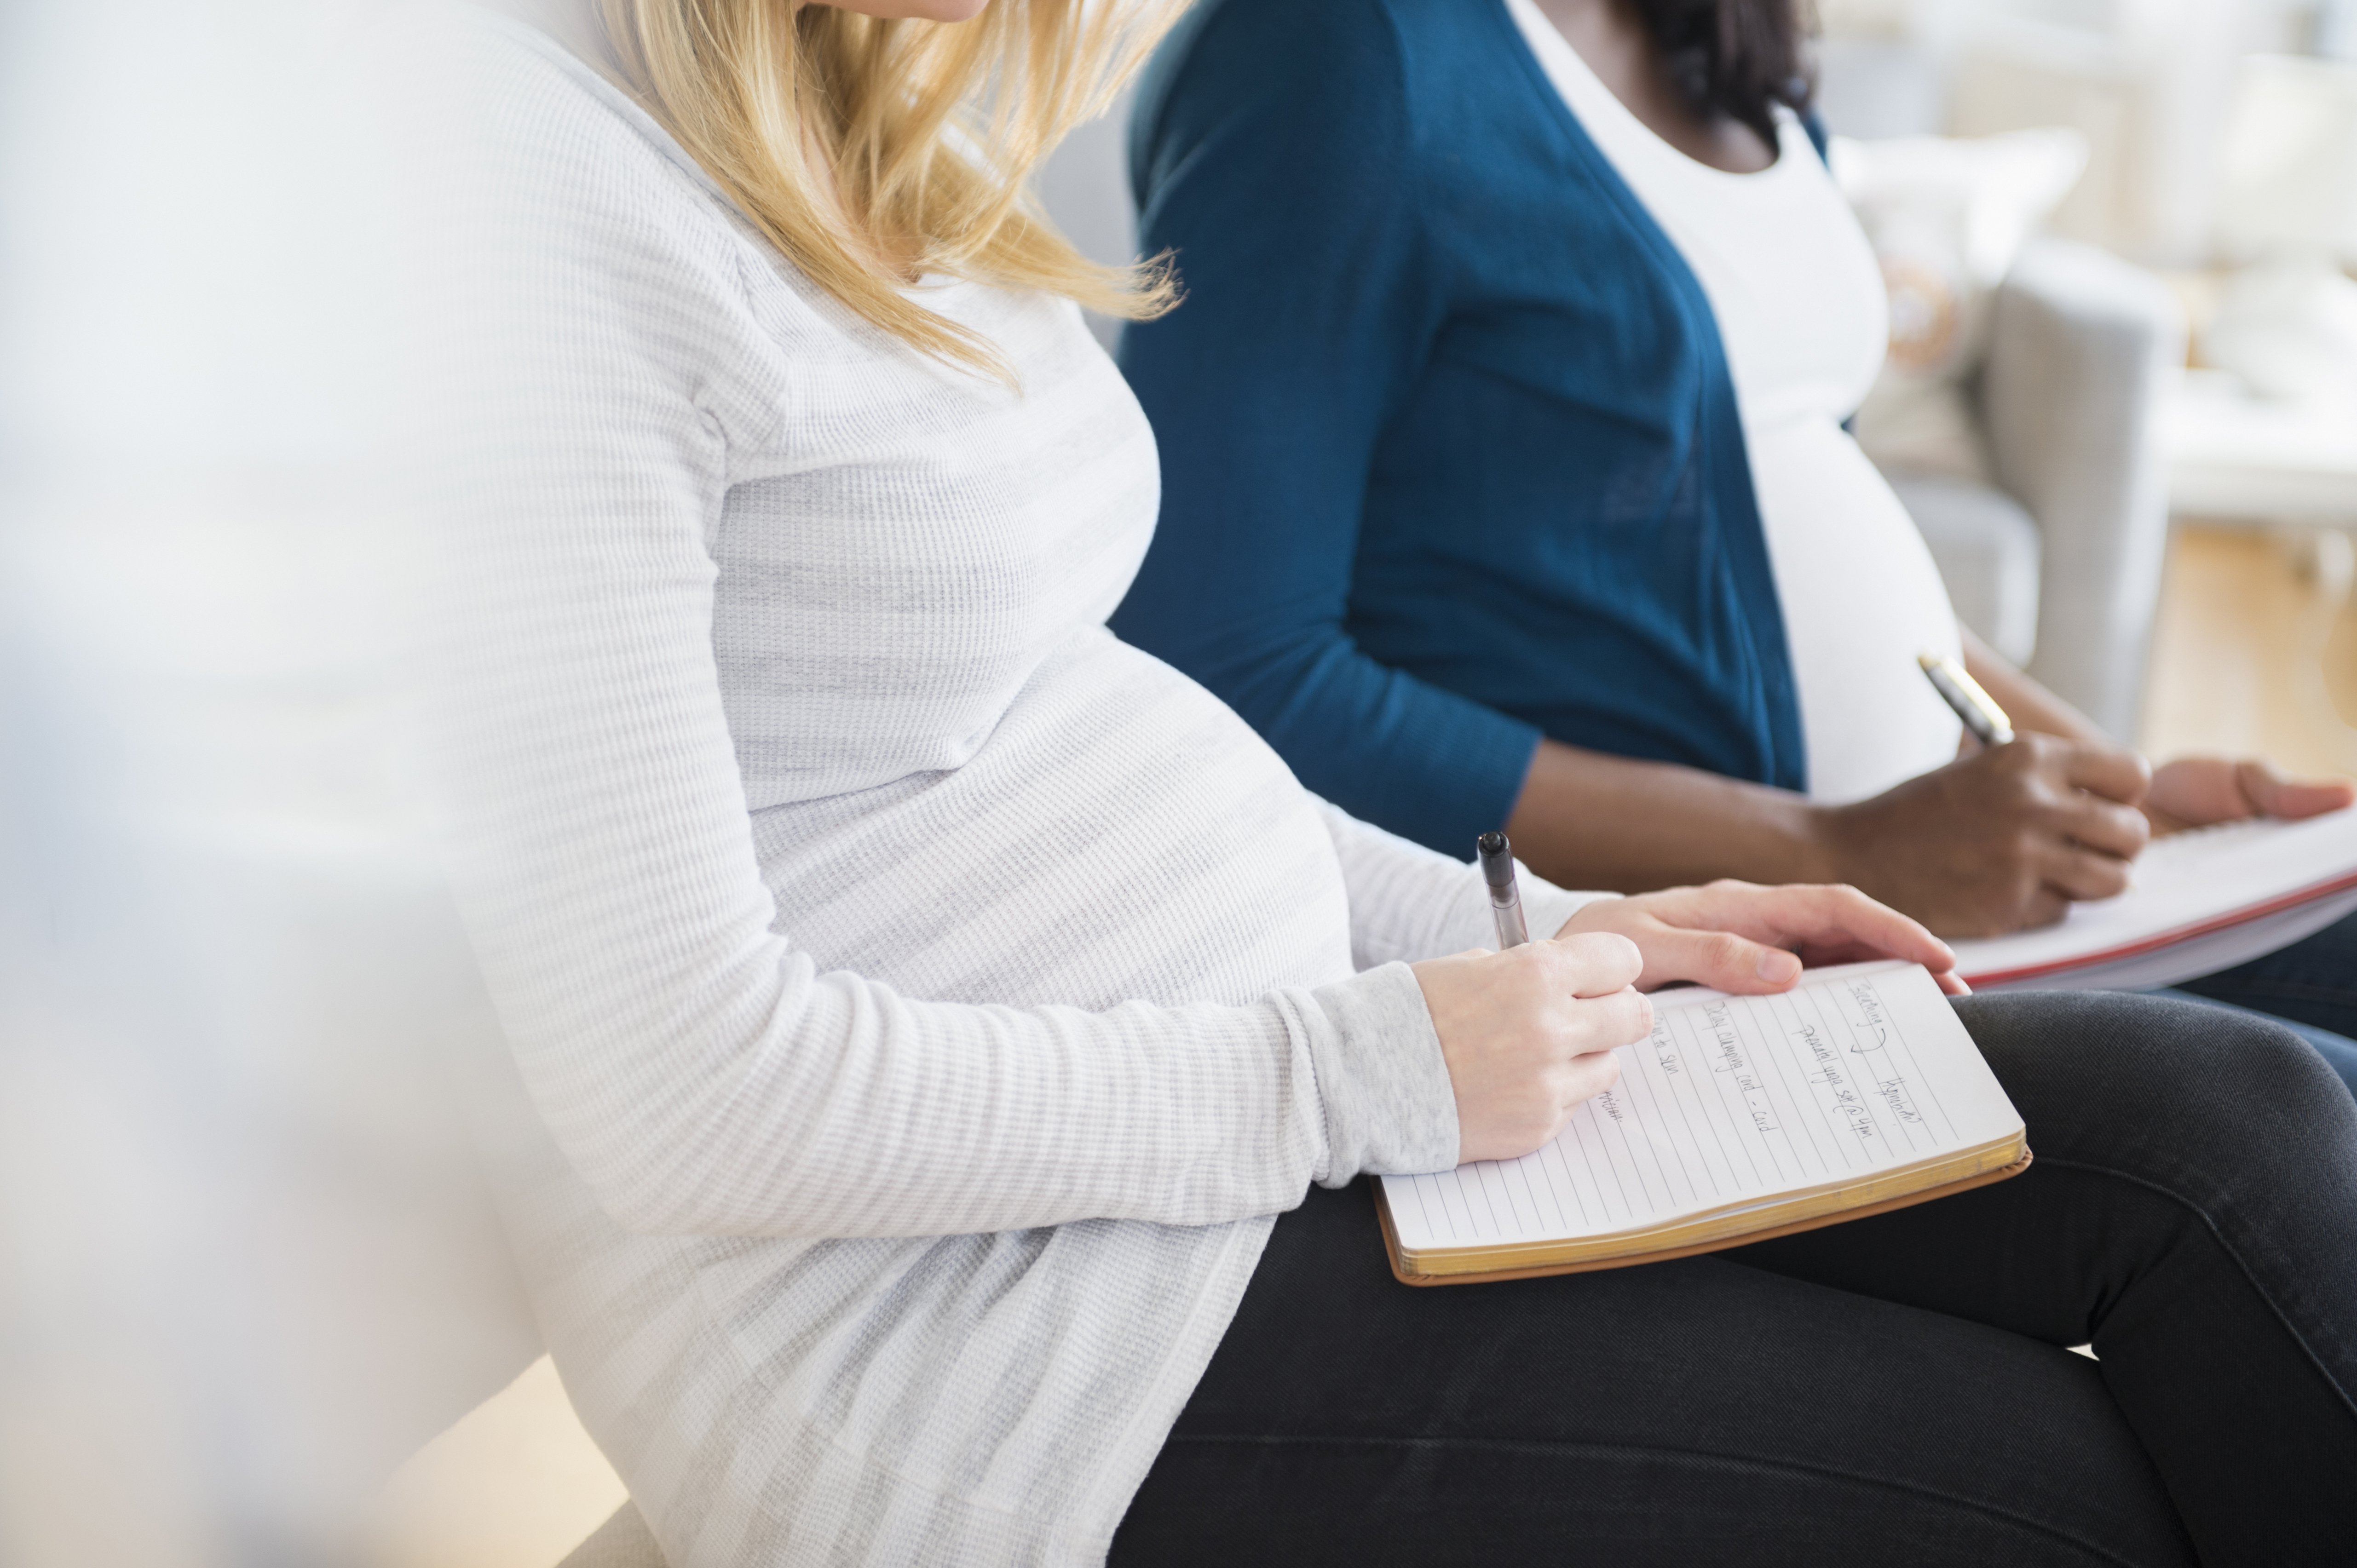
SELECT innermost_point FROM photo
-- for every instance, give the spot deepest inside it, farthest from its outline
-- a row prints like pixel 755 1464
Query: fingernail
pixel 1776 966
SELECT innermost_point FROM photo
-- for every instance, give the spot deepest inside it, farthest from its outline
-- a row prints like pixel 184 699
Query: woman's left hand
pixel 1740 937
pixel 2196 791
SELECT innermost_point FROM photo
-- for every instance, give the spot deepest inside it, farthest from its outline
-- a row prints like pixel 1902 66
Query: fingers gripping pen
pixel 1505 896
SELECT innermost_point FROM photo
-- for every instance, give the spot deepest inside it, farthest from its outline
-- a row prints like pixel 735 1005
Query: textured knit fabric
pixel 919 1002
pixel 1451 453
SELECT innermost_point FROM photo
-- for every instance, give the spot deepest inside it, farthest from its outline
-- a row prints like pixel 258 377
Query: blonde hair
pixel 929 130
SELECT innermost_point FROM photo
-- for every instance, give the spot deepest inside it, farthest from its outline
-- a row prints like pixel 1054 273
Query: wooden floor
pixel 2250 656
pixel 515 1484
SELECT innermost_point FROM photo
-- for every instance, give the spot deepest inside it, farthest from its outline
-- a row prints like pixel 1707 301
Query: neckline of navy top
pixel 1451 458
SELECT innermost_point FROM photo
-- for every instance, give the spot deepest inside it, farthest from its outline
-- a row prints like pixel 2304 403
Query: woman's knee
pixel 2123 1079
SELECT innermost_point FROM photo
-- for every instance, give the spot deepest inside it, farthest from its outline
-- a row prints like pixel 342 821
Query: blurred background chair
pixel 2057 561
pixel 2221 165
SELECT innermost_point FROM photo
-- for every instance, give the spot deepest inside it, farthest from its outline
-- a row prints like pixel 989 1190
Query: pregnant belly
pixel 1120 836
pixel 1861 599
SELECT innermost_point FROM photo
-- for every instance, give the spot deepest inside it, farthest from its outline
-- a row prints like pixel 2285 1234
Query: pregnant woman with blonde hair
pixel 944 1041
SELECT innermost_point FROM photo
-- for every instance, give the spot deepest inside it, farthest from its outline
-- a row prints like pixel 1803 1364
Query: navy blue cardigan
pixel 1451 456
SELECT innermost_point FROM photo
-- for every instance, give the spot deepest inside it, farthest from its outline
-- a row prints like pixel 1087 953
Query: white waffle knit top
pixel 919 1001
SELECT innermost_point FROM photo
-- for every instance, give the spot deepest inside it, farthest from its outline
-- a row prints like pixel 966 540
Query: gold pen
pixel 1975 707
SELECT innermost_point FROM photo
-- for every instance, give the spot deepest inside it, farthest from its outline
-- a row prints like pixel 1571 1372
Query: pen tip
pixel 1491 844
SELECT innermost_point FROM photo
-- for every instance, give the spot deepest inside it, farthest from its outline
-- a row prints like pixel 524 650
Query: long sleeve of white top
pixel 697 1068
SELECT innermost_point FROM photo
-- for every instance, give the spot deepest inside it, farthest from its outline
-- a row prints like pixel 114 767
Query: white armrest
pixel 2083 348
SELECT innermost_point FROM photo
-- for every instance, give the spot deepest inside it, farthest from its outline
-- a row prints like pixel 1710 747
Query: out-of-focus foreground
pixel 244 1266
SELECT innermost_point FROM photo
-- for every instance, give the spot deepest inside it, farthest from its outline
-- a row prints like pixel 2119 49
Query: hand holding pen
pixel 2005 837
pixel 1529 1032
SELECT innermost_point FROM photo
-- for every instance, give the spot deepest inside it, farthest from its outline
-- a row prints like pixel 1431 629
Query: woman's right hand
pixel 1528 1033
pixel 1998 841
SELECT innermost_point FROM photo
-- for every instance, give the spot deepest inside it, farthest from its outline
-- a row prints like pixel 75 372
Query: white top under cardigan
pixel 919 1001
pixel 1804 319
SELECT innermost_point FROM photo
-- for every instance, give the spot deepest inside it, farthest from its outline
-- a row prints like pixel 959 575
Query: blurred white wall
pixel 2148 81
pixel 1085 186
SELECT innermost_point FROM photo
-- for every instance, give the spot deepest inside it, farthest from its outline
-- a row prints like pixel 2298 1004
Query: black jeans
pixel 1892 1391
pixel 2312 982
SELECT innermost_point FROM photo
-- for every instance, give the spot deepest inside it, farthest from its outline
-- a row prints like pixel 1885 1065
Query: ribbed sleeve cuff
pixel 1382 1084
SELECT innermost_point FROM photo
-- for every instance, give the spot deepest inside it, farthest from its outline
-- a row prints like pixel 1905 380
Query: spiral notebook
pixel 1738 1119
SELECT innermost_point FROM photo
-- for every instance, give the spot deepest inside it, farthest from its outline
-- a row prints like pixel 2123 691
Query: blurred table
pixel 2234 457
pixel 2291 469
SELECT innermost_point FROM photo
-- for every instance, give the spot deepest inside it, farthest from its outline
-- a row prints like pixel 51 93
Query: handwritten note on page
pixel 1734 1099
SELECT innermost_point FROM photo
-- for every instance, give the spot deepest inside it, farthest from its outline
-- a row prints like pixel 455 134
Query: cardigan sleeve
pixel 1275 158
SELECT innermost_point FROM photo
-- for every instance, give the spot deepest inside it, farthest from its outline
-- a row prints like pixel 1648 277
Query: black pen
pixel 1975 707
pixel 1497 858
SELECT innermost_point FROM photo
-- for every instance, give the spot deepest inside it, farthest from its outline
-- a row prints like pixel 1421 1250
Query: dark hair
pixel 1738 58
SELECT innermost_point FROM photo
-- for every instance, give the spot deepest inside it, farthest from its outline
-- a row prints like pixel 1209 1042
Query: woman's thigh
pixel 2339 1051
pixel 1891 1389
pixel 2193 1212
pixel 1683 1412
pixel 2312 982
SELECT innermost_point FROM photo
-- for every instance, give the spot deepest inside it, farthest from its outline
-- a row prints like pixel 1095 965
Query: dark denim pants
pixel 2311 984
pixel 1896 1389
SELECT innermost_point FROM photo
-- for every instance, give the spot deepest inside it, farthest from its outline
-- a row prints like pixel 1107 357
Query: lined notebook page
pixel 1734 1099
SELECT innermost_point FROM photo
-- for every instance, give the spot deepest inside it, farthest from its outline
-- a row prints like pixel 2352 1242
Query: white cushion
pixel 1946 218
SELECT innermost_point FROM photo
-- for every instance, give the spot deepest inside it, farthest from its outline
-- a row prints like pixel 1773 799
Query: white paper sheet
pixel 1732 1100
pixel 2183 883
